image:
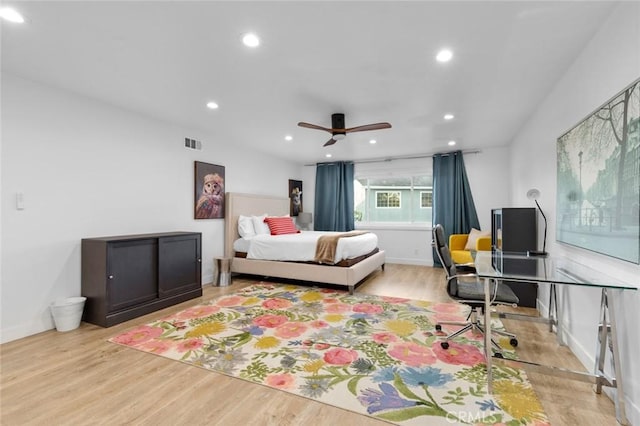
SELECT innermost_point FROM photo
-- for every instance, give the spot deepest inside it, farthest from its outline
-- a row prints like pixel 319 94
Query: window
pixel 426 199
pixel 387 199
pixel 400 198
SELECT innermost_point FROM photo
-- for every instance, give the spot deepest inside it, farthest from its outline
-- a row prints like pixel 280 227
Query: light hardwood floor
pixel 78 378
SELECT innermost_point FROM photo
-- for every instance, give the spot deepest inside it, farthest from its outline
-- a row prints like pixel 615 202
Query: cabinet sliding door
pixel 132 273
pixel 180 260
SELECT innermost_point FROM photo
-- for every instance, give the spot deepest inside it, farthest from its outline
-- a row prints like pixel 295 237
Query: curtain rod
pixel 406 157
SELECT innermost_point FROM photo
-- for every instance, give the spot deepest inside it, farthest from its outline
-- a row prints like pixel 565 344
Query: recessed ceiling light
pixel 212 105
pixel 452 143
pixel 11 15
pixel 444 55
pixel 288 138
pixel 251 40
pixel 448 116
pixel 328 155
pixel 373 141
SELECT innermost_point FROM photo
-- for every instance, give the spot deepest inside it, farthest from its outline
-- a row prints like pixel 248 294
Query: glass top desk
pixel 518 267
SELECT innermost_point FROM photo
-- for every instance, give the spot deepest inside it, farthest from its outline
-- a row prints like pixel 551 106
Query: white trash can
pixel 67 313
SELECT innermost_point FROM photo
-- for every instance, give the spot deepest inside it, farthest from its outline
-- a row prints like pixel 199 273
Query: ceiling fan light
pixel 339 136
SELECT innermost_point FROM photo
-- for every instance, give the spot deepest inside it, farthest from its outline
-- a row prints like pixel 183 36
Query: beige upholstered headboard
pixel 237 204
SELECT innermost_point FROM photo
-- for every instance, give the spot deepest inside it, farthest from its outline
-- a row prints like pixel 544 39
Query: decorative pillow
pixel 473 237
pixel 245 227
pixel 259 226
pixel 281 225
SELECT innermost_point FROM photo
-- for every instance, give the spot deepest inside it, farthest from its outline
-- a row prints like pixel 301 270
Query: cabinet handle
pixel 110 277
pixel 199 260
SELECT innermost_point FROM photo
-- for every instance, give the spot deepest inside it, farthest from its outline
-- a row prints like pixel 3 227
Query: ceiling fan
pixel 338 130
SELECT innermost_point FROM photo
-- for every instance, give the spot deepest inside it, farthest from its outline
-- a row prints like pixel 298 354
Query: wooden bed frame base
pixel 254 205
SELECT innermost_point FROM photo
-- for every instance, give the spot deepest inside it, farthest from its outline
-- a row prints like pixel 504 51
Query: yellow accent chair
pixel 461 245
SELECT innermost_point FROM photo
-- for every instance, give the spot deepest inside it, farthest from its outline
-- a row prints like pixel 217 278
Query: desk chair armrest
pixel 469 275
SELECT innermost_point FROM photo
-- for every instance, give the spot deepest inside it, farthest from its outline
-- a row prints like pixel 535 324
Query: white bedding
pixel 302 247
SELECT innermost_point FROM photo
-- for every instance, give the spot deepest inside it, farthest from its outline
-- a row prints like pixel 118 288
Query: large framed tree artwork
pixel 598 205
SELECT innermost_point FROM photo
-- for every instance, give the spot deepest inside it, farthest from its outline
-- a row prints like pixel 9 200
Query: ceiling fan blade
pixel 313 126
pixel 330 142
pixel 375 126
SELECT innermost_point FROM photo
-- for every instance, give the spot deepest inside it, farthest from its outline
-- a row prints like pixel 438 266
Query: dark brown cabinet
pixel 124 277
pixel 515 230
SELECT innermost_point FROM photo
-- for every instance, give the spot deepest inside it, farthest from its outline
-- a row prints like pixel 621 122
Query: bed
pixel 255 205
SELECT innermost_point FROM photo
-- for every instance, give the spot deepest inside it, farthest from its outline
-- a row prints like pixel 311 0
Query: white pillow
pixel 245 227
pixel 473 237
pixel 259 226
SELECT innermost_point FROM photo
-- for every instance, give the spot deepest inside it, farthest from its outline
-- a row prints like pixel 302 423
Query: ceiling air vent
pixel 192 144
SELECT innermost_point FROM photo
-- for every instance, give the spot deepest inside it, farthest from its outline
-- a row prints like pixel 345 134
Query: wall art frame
pixel 295 197
pixel 209 193
pixel 598 179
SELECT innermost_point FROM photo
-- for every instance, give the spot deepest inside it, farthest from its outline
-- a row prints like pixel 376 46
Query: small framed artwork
pixel 295 195
pixel 209 191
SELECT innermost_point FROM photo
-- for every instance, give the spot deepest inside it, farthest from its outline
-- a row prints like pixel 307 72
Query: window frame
pixel 399 194
pixel 426 192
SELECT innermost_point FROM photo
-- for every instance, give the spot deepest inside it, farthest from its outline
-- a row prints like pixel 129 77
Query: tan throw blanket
pixel 326 246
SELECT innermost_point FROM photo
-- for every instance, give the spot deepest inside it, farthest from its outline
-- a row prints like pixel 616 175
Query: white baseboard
pixel 409 261
pixel 207 279
pixel 24 330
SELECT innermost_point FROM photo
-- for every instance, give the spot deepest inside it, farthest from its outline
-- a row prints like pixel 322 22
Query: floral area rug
pixel 377 356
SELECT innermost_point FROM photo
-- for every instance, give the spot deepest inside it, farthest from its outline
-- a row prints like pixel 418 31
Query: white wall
pixel 608 63
pixel 489 178
pixel 88 169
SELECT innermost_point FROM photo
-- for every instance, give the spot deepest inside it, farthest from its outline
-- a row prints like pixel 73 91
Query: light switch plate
pixel 20 200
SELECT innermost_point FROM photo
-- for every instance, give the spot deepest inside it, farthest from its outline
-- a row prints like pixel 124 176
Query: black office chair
pixel 470 291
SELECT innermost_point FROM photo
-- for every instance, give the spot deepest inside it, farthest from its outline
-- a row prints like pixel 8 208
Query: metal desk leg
pixel 607 337
pixel 487 333
pixel 553 308
pixel 553 314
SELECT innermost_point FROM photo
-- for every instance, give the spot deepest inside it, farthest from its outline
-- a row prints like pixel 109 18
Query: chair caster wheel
pixel 438 327
pixel 498 355
pixel 513 342
pixel 444 345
